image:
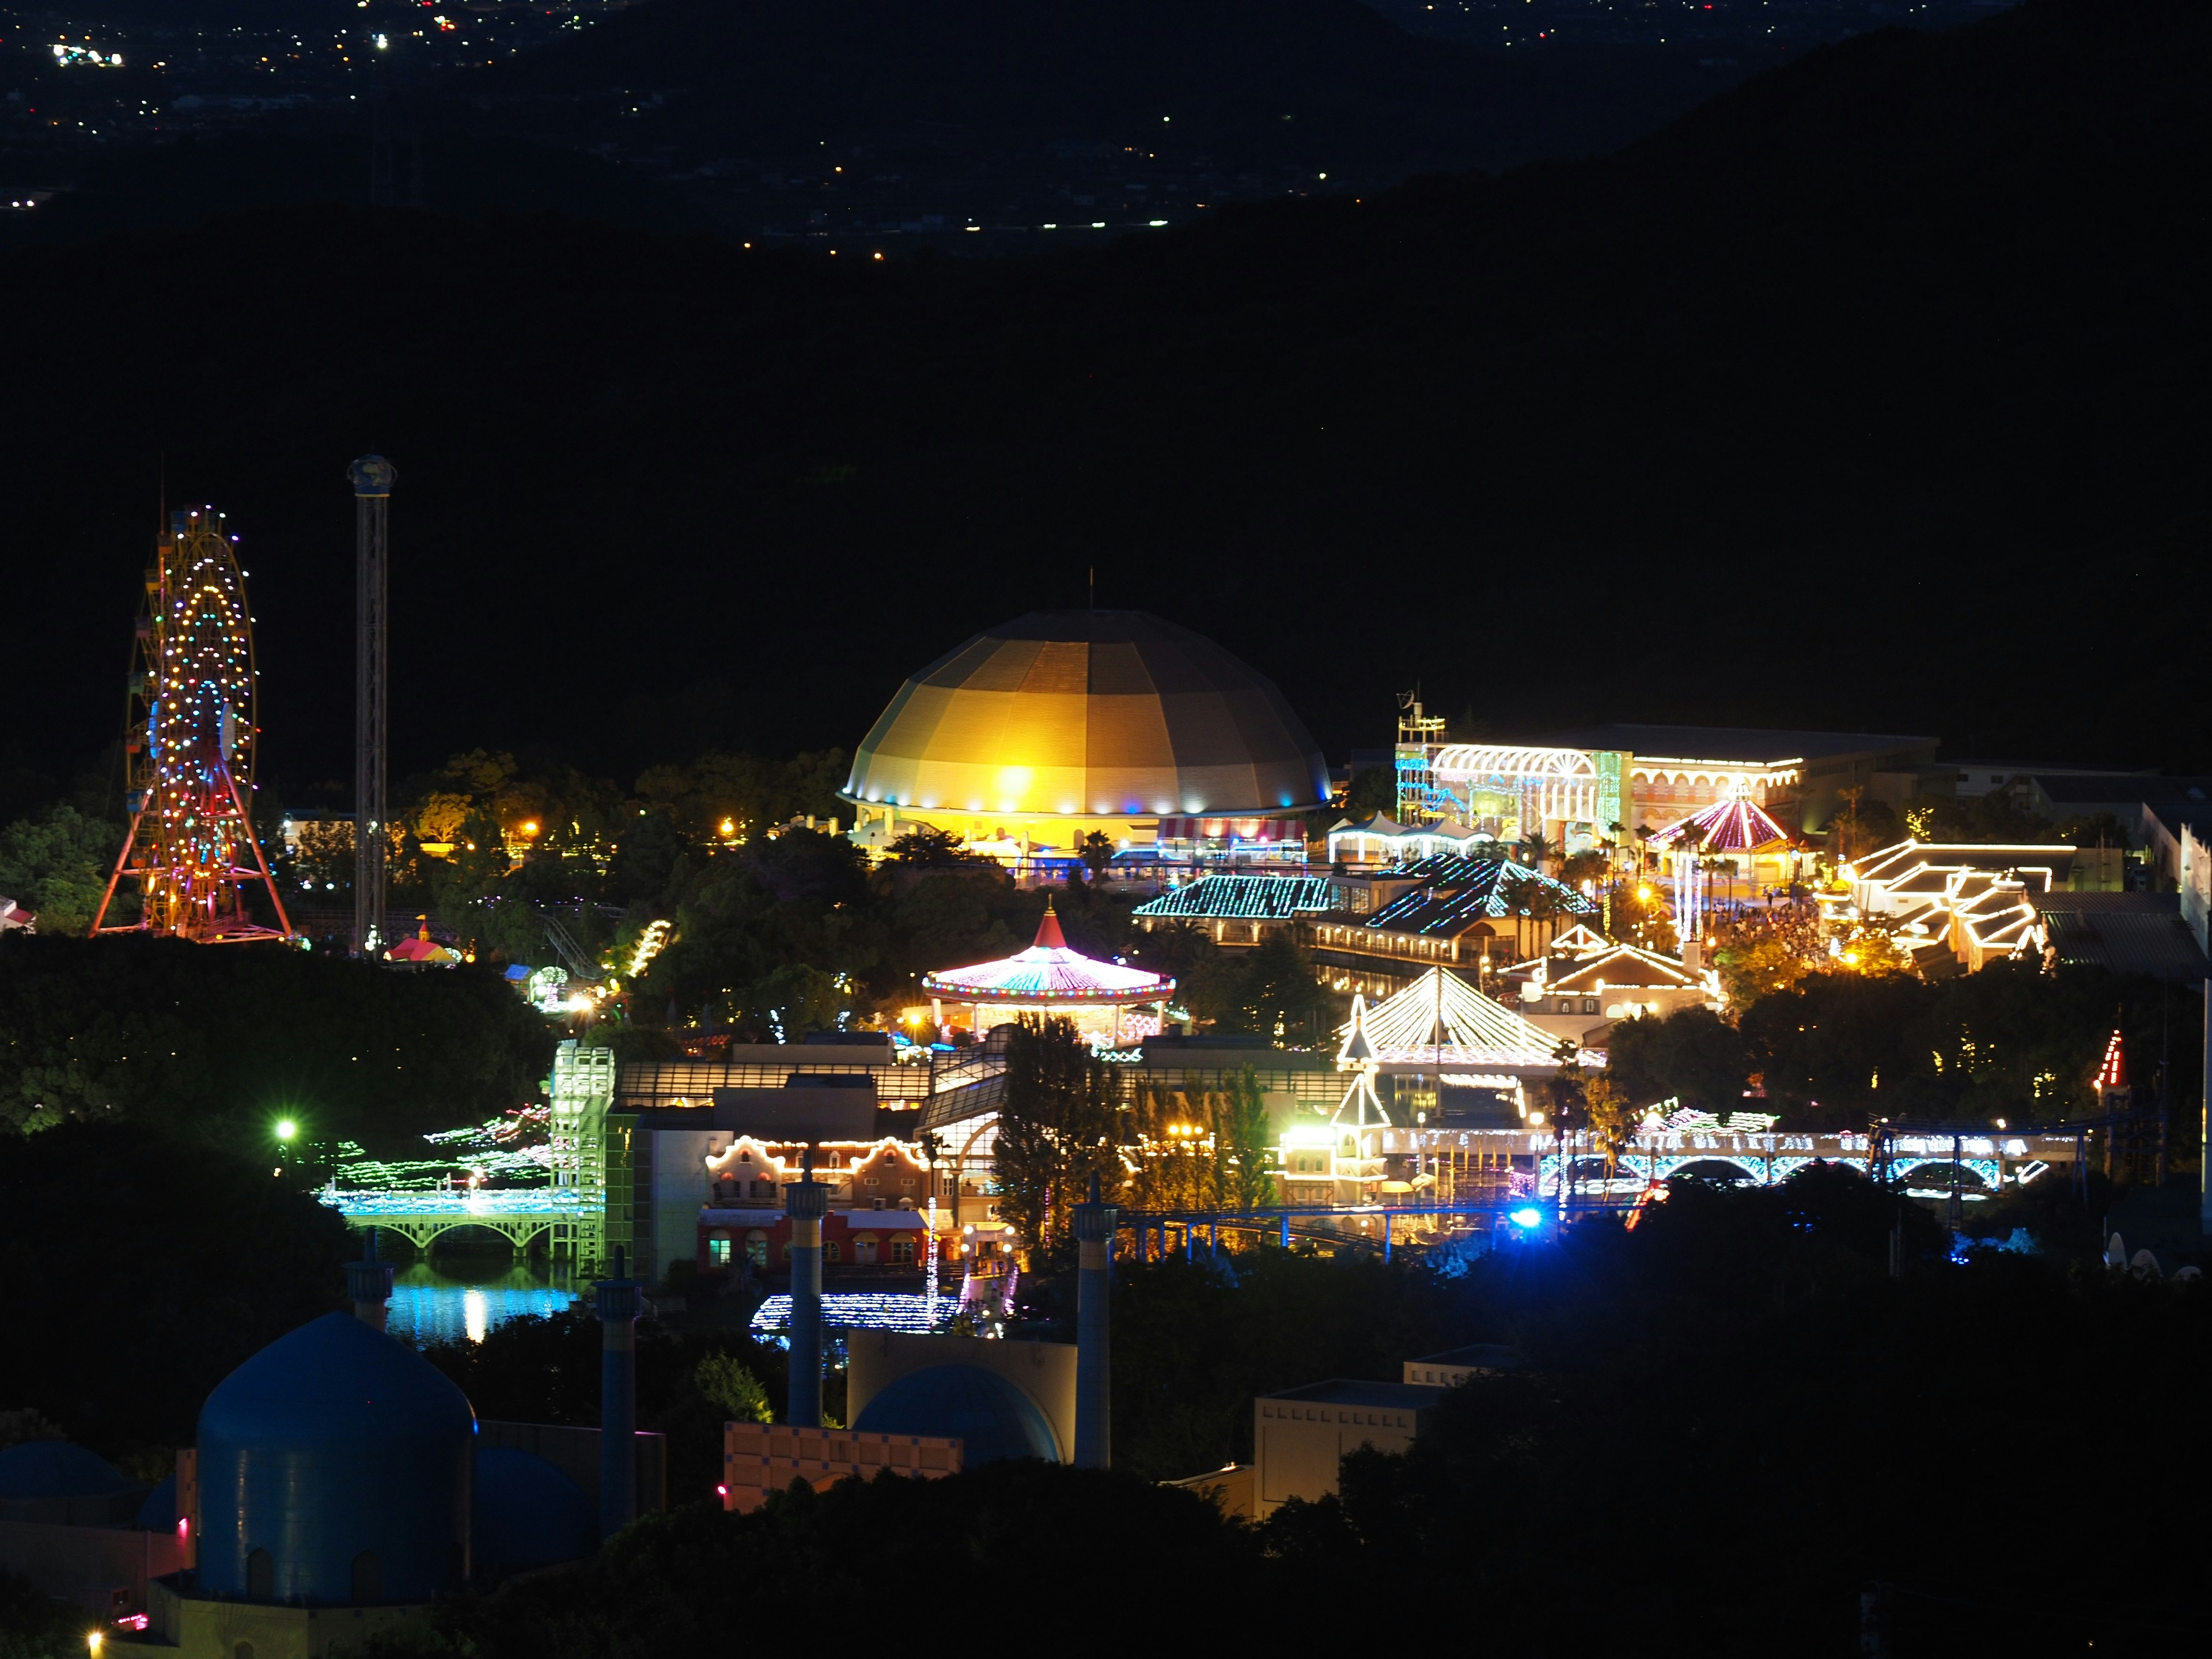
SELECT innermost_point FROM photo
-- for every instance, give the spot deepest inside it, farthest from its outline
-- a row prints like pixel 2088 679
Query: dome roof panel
pixel 991 1418
pixel 1089 713
pixel 55 1469
pixel 1117 670
pixel 528 1514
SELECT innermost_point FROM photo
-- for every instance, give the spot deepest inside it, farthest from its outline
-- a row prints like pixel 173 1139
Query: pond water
pixel 458 1298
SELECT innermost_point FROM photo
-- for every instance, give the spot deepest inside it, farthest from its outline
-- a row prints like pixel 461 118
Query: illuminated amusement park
pixel 864 1095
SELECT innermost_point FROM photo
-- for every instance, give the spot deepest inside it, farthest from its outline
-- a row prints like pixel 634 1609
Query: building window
pixel 787 1250
pixel 864 1249
pixel 757 1247
pixel 903 1247
pixel 718 1251
pixel 832 1250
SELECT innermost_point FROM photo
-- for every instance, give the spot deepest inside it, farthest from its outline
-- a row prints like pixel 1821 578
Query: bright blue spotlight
pixel 1528 1218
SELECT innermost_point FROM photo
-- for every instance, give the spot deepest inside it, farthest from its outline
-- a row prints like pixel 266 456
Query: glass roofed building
pixel 1241 909
pixel 1476 913
pixel 1034 735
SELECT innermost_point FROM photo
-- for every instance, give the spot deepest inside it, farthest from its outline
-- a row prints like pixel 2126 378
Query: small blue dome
pixel 528 1514
pixel 159 1512
pixel 992 1418
pixel 334 1471
pixel 55 1469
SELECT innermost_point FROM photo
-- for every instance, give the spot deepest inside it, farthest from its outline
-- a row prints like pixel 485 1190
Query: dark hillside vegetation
pixel 1319 84
pixel 1866 397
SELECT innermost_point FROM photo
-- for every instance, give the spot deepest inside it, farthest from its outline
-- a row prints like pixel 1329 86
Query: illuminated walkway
pixel 518 1215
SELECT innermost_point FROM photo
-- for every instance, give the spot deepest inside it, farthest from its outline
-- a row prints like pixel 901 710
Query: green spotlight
pixel 286 1129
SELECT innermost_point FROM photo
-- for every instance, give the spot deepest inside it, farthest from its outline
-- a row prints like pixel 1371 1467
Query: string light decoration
pixel 2112 1070
pixel 1738 825
pixel 191 848
pixel 1441 1020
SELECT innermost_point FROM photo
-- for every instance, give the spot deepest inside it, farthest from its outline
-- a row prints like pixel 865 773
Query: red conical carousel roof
pixel 1048 974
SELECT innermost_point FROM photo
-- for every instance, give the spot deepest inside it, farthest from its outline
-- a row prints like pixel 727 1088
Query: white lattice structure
pixel 1551 784
pixel 582 1089
pixel 1441 1020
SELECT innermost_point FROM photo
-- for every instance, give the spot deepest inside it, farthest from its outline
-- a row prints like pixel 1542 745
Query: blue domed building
pixel 991 1417
pixel 342 1458
pixel 52 1480
pixel 998 1398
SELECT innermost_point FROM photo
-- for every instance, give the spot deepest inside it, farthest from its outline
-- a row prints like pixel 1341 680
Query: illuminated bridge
pixel 518 1215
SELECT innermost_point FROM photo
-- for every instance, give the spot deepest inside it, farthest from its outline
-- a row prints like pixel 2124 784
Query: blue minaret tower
pixel 1094 1284
pixel 619 1302
pixel 368 1285
pixel 805 1201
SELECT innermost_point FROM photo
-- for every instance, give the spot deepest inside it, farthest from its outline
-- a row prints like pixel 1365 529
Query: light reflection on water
pixel 450 1303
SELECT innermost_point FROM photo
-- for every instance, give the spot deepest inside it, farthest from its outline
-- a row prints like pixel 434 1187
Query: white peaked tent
pixel 1441 1020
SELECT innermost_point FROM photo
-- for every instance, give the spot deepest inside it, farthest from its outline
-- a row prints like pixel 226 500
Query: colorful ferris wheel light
pixel 192 848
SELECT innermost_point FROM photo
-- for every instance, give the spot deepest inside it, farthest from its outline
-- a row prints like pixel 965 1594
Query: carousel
pixel 1113 1007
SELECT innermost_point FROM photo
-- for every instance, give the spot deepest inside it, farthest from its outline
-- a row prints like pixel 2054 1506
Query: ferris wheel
pixel 190 746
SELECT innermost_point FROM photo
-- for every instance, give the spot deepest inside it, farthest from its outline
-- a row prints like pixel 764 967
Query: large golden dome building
pixel 1035 734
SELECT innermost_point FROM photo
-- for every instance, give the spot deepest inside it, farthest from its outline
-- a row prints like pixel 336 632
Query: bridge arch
pixel 1714 1166
pixel 422 1231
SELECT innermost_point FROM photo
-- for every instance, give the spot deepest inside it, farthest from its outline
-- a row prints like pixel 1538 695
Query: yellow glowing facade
pixel 1036 734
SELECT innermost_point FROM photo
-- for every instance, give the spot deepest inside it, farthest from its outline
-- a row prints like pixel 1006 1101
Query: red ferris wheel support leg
pixel 121 862
pixel 261 859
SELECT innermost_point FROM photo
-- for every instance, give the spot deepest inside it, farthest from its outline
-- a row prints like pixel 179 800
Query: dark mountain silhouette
pixel 1327 83
pixel 1868 396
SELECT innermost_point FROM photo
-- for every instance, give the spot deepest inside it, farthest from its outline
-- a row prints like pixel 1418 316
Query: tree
pixel 1612 1118
pixel 723 1379
pixel 1692 1055
pixel 1208 1151
pixel 1098 853
pixel 1762 965
pixel 1867 949
pixel 931 848
pixel 56 867
pixel 1058 1127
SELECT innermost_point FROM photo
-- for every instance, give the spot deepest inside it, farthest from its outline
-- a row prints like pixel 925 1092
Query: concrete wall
pixel 103 1570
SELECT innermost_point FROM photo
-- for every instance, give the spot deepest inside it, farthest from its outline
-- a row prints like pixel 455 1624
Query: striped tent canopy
pixel 1740 826
pixel 1441 1020
pixel 1048 973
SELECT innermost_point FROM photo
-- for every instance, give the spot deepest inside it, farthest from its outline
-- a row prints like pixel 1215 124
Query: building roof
pixel 990 1416
pixel 1481 1356
pixel 1738 826
pixel 2128 940
pixel 1457 892
pixel 1258 899
pixel 1735 744
pixel 1049 974
pixel 1623 967
pixel 2088 789
pixel 1357 1391
pixel 1105 713
pixel 1476 1033
pixel 56 1468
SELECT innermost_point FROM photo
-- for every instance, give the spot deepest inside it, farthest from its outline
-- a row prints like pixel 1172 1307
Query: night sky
pixel 1866 397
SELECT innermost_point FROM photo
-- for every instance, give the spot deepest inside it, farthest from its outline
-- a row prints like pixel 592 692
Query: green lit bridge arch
pixel 422 1219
